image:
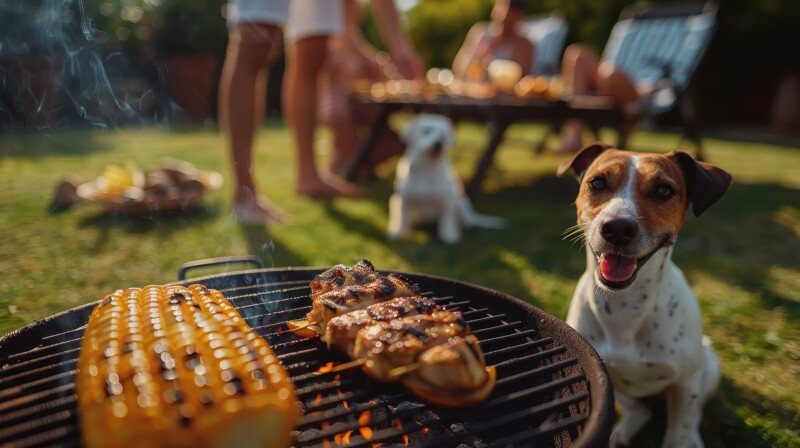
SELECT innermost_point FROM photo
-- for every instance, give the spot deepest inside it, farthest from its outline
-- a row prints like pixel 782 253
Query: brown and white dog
pixel 633 303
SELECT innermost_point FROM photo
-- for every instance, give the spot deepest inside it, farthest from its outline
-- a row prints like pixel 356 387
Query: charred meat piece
pixel 341 330
pixel 452 374
pixel 356 297
pixel 341 276
pixel 397 343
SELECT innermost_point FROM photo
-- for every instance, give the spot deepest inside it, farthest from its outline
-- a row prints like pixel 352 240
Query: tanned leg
pixel 579 70
pixel 304 60
pixel 241 107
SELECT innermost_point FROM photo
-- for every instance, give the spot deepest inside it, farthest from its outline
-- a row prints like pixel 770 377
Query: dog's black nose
pixel 620 232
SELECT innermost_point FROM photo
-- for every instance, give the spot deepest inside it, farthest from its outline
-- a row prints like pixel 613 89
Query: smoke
pixel 54 72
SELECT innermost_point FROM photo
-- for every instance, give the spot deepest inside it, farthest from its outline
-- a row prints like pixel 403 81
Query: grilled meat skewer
pixel 341 330
pixel 356 297
pixel 341 276
pixel 389 345
pixel 393 333
pixel 452 374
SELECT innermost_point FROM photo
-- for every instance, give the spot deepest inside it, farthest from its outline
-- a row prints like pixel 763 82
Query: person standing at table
pixel 498 39
pixel 253 43
pixel 352 59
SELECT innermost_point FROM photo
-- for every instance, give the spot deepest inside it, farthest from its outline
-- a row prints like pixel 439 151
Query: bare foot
pixel 330 186
pixel 573 139
pixel 339 163
pixel 250 211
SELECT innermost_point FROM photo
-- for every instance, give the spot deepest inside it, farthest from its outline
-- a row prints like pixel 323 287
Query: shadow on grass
pixel 46 143
pixel 743 238
pixel 264 246
pixel 162 223
pixel 721 427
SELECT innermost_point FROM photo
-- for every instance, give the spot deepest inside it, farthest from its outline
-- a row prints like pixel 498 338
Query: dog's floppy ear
pixel 582 159
pixel 706 183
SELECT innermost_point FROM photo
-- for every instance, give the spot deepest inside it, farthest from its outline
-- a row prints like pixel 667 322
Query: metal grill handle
pixel 219 261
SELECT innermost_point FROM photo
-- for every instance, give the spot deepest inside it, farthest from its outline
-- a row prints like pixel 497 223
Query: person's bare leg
pixel 340 121
pixel 613 82
pixel 241 107
pixel 579 69
pixel 304 60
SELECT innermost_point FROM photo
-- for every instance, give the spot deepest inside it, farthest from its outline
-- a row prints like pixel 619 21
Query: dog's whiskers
pixel 575 234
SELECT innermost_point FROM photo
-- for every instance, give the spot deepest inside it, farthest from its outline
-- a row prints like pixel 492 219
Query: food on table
pixel 504 74
pixel 179 366
pixel 532 86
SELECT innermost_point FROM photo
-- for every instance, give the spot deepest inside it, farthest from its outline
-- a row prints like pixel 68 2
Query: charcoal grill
pixel 552 389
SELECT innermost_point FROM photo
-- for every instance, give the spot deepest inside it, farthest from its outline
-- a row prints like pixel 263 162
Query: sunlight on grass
pixel 741 257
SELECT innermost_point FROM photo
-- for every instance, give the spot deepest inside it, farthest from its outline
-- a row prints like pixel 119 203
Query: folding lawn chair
pixel 661 46
pixel 548 33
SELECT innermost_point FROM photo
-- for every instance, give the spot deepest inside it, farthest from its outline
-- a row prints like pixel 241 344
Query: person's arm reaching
pixel 396 40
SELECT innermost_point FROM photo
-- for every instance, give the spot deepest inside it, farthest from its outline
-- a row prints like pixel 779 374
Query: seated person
pixel 352 59
pixel 584 74
pixel 498 39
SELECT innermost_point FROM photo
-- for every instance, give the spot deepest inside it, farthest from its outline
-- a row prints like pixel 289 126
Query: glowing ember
pixel 405 439
pixel 346 437
pixel 364 418
pixel 337 377
pixel 366 432
pixel 326 368
pixel 326 443
pixel 346 406
pixel 318 400
pixel 425 430
pixel 376 445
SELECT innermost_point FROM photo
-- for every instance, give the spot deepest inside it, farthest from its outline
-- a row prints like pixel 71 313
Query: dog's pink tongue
pixel 617 268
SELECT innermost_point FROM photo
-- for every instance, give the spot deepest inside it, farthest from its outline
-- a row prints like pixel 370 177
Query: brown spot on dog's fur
pixel 658 216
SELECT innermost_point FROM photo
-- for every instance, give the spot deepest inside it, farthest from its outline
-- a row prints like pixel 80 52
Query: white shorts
pixel 273 12
pixel 308 18
pixel 303 18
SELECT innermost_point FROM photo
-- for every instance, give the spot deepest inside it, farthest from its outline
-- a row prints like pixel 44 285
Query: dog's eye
pixel 597 184
pixel 663 191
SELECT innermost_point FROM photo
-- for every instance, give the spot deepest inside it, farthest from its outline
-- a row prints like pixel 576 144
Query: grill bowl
pixel 552 388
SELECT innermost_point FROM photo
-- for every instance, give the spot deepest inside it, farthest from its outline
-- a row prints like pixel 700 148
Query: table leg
pixel 368 145
pixel 498 130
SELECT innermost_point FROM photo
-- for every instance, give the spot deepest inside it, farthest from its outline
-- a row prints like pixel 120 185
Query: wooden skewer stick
pixel 403 370
pixel 306 325
pixel 346 366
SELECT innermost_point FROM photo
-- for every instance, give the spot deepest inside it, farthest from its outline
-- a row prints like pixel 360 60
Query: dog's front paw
pixel 688 439
pixel 618 439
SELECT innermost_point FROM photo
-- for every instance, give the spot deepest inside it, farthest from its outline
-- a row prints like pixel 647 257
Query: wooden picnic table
pixel 497 112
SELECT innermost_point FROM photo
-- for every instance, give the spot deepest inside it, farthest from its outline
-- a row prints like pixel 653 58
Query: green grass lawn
pixel 741 257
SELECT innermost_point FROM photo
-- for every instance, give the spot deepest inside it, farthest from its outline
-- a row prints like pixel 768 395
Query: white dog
pixel 426 187
pixel 633 303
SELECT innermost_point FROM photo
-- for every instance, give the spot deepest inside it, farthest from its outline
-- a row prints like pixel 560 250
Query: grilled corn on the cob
pixel 179 367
